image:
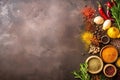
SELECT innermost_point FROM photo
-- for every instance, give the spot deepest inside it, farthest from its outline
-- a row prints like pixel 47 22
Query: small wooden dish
pixel 95 64
pixel 105 39
pixel 109 70
pixel 109 54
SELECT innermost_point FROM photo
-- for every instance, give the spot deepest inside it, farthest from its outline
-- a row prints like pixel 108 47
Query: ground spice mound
pixel 109 70
pixel 94 65
pixel 109 54
pixel 88 12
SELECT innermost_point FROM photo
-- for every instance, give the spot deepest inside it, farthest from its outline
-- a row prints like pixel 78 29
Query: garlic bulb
pixel 106 24
pixel 98 20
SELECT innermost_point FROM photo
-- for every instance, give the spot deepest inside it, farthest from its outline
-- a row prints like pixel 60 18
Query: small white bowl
pixel 95 64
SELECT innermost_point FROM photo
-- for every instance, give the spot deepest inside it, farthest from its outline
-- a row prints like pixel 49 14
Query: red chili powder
pixel 88 12
pixel 109 70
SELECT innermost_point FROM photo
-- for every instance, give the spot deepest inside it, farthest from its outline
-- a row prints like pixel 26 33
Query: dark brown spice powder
pixel 109 70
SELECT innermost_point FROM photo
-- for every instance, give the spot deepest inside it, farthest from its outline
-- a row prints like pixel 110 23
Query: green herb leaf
pixel 116 13
pixel 82 72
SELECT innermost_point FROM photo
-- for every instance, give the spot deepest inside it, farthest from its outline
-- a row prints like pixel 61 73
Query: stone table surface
pixel 39 39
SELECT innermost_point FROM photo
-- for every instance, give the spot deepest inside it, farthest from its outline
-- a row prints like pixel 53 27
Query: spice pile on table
pixel 102 40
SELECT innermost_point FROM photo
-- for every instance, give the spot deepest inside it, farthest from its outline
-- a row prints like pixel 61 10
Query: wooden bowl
pixel 105 39
pixel 109 70
pixel 109 54
pixel 95 64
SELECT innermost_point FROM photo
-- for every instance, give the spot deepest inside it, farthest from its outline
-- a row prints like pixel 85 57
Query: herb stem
pixel 82 73
pixel 117 21
pixel 115 13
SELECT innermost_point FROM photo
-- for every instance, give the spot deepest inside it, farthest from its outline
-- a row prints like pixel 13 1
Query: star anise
pixel 95 41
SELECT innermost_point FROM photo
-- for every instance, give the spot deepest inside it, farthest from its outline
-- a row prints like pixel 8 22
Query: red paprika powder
pixel 109 70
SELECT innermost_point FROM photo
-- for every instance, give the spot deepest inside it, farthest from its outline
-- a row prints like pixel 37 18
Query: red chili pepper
pixel 109 4
pixel 113 2
pixel 101 11
pixel 109 14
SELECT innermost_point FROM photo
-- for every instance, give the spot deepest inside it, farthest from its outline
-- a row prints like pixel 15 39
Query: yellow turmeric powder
pixel 109 54
pixel 86 38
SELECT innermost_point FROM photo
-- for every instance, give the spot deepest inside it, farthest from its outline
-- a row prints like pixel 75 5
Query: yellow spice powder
pixel 86 37
pixel 109 54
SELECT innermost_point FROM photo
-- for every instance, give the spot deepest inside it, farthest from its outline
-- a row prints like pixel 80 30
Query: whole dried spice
pixel 95 77
pixel 95 41
pixel 88 12
pixel 99 32
pixel 116 43
pixel 94 49
pixel 89 26
pixel 117 77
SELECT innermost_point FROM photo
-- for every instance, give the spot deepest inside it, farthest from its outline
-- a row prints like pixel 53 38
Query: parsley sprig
pixel 82 73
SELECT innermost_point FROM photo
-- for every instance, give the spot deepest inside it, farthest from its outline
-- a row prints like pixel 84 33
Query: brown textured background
pixel 39 39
